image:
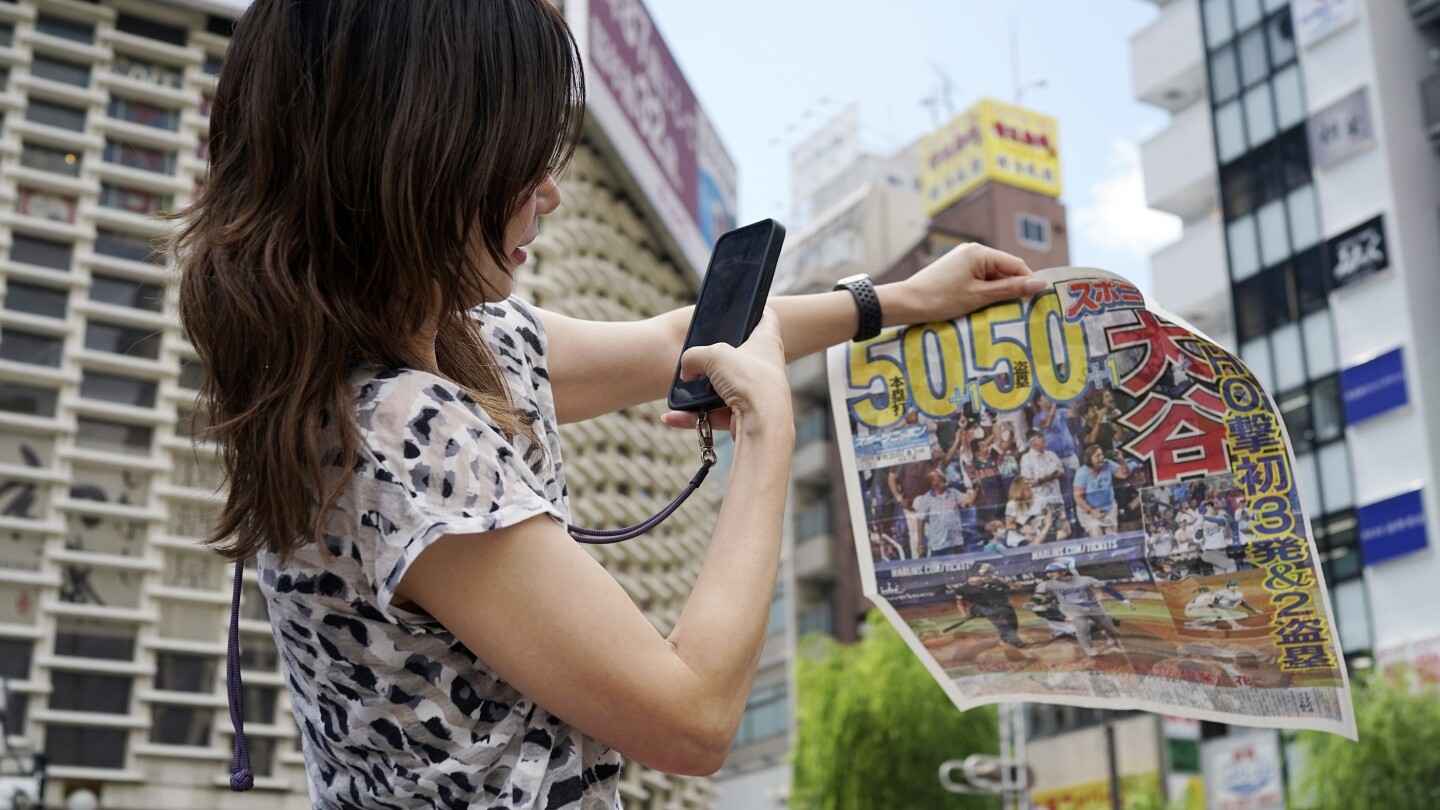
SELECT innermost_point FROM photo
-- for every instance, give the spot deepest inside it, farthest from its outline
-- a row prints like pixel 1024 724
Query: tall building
pixel 112 617
pixel 974 180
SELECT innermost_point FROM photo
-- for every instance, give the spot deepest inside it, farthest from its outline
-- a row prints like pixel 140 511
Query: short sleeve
pixel 441 466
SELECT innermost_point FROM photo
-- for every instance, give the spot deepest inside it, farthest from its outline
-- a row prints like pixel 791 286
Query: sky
pixel 768 72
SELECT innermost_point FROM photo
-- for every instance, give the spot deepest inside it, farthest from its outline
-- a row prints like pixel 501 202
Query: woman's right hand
pixel 751 379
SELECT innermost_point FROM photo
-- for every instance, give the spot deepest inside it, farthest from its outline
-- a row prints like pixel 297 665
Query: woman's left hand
pixel 967 278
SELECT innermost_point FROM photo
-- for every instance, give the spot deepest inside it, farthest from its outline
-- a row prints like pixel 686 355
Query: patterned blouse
pixel 394 712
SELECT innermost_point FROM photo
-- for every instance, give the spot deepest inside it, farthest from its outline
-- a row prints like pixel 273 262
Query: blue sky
pixel 768 71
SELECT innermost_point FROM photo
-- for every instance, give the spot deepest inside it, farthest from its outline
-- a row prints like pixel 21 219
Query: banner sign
pixel 1358 253
pixel 1341 130
pixel 648 113
pixel 1420 656
pixel 1317 19
pixel 1393 527
pixel 1242 772
pixel 1374 387
pixel 1076 498
pixel 989 141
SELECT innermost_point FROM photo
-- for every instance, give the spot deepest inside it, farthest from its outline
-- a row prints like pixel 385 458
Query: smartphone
pixel 732 299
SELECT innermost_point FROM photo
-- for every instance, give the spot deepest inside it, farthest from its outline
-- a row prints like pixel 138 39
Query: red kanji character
pixel 1162 344
pixel 1178 439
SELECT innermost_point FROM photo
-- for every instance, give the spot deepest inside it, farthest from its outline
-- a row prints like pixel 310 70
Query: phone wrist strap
pixel 596 537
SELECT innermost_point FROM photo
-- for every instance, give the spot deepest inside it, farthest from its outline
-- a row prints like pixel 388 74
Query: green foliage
pixel 1394 766
pixel 874 728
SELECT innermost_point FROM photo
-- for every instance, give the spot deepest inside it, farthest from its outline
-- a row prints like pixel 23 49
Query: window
pixel 106 337
pixel 42 205
pixel 260 704
pixel 1230 131
pixel 1224 75
pixel 46 159
pixel 125 246
pixel 127 293
pixel 1289 100
pixel 192 374
pixel 1312 281
pixel 139 157
pixel 143 70
pixel 65 29
pixel 58 70
pixel 1253 65
pixel 767 714
pixel 1304 219
pixel 24 347
pixel 1289 356
pixel 180 725
pixel 83 692
pixel 191 424
pixel 257 652
pixel 192 569
pixel 262 756
pixel 1218 28
pixel 15 658
pixel 1319 344
pixel 1274 232
pixel 139 26
pixel 1247 13
pixel 133 200
pixel 1244 248
pixel 777 612
pixel 86 747
pixel 177 672
pixel 1329 417
pixel 1294 158
pixel 94 638
pixel 27 399
pixel 41 252
pixel 219 26
pixel 1034 232
pixel 112 437
pixel 1334 462
pixel 1259 116
pixel 35 300
pixel 212 64
pixel 1281 32
pixel 7 36
pixel 117 388
pixel 139 112
pixel 55 115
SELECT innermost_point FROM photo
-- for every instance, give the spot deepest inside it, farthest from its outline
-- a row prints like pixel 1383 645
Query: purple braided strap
pixel 241 777
pixel 598 537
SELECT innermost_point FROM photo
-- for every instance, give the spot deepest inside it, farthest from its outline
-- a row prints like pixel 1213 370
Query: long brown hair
pixel 361 151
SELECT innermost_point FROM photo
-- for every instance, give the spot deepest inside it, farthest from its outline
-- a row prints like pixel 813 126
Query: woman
pixel 386 414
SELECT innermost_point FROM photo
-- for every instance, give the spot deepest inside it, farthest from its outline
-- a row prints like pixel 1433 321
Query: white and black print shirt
pixel 394 711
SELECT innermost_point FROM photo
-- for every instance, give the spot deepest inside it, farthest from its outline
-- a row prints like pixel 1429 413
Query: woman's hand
pixel 751 379
pixel 965 279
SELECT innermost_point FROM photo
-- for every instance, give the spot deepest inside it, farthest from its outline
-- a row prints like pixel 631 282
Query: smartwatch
pixel 867 301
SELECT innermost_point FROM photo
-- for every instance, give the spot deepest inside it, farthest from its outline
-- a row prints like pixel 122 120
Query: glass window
pixel 1274 235
pixel 94 638
pixel 15 658
pixel 125 292
pixel 1282 39
pixel 83 692
pixel 1253 65
pixel 7 36
pixel 106 337
pixel 1247 13
pixel 1325 405
pixel 1295 158
pixel 767 715
pixel 1312 282
pixel 144 70
pixel 180 725
pixel 1294 408
pixel 1307 474
pixel 139 112
pixel 1218 27
pixel 86 747
pixel 112 437
pixel 35 300
pixel 133 200
pixel 1230 131
pixel 258 652
pixel 1224 75
pixel 1335 476
pixel 139 26
pixel 117 388
pixel 139 157
pixel 1289 356
pixel 55 115
pixel 24 347
pixel 58 70
pixel 192 374
pixel 262 756
pixel 1259 118
pixel 44 205
pixel 65 29
pixel 1256 356
pixel 1289 100
pixel 212 64
pixel 1276 5
pixel 42 252
pixel 1268 173
pixel 1244 248
pixel 1352 615
pixel 260 704
pixel 1319 343
pixel 46 159
pixel 125 246
pixel 177 672
pixel 1304 219
pixel 1236 189
pixel 1256 305
pixel 189 424
pixel 27 399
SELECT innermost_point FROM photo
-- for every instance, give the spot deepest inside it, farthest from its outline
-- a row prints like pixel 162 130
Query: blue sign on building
pixel 1374 387
pixel 1393 527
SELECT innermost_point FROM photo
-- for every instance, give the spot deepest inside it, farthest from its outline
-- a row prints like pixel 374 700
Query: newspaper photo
pixel 1079 499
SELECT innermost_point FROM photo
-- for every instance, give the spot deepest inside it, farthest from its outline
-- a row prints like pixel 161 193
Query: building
pixel 112 618
pixel 887 215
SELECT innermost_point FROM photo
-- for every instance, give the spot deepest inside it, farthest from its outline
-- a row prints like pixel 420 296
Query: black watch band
pixel 867 302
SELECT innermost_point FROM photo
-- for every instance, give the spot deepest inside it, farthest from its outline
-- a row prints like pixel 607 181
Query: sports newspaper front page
pixel 1078 499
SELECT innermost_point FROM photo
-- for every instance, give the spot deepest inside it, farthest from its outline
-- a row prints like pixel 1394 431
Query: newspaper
pixel 1078 498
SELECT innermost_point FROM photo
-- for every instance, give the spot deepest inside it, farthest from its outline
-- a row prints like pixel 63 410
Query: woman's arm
pixel 599 367
pixel 538 610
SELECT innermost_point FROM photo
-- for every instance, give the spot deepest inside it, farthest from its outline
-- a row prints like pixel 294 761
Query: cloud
pixel 1114 217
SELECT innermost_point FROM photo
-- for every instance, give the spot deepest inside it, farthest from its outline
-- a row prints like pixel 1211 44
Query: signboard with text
pixel 1358 253
pixel 1341 129
pixel 1315 20
pixel 1242 772
pixel 1393 527
pixel 990 141
pixel 1374 387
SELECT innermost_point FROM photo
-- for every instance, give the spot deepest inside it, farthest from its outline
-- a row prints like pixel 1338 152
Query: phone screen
pixel 727 299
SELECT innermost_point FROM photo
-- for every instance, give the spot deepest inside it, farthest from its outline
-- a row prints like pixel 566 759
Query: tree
pixel 874 727
pixel 1396 763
